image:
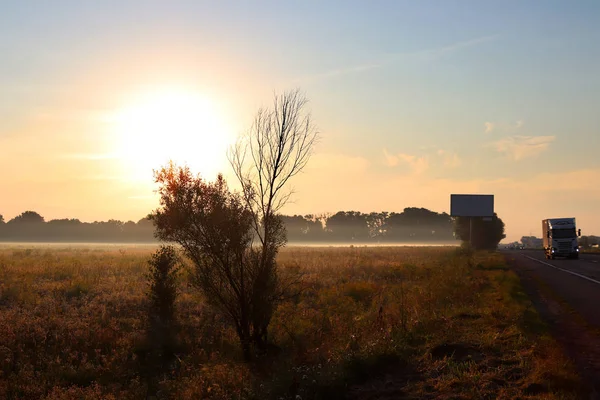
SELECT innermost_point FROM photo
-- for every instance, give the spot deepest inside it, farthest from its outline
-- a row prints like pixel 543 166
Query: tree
pixel 276 148
pixel 1 219
pixel 162 282
pixel 214 228
pixel 160 348
pixel 296 226
pixel 348 225
pixel 486 234
pixel 27 217
pixel 376 224
pixel 418 224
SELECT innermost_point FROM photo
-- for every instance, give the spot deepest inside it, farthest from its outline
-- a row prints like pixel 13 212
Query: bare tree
pixel 276 148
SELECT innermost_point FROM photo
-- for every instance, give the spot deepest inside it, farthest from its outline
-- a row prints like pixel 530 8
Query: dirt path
pixel 566 294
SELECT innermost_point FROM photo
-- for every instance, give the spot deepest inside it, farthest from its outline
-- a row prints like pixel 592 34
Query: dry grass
pixel 371 323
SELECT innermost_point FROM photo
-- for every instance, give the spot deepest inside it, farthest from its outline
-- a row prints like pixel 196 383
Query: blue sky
pixel 414 100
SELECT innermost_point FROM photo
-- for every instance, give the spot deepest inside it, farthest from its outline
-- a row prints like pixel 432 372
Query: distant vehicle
pixel 560 238
pixel 513 246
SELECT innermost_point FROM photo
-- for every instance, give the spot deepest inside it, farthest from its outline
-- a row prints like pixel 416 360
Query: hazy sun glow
pixel 171 124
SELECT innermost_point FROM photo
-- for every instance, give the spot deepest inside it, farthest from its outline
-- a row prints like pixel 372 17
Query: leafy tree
pixel 376 224
pixel 162 281
pixel 159 350
pixel 214 228
pixel 314 227
pixel 418 224
pixel 531 242
pixel 27 217
pixel 348 225
pixel 486 234
pixel 588 241
pixel 296 226
pixel 64 222
pixel 145 222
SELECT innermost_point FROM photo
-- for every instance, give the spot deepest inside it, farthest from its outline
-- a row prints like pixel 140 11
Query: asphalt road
pixel 577 282
pixel 567 295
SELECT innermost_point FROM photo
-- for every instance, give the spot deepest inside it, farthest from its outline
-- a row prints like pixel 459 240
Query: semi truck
pixel 560 238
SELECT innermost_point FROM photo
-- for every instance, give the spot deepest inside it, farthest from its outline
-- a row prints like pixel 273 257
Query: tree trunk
pixel 246 342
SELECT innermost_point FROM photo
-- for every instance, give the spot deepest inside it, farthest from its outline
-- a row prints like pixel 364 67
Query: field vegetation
pixel 382 322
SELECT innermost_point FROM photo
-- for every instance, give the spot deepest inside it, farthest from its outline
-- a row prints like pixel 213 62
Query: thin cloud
pixel 503 127
pixel 418 165
pixel 464 44
pixel 521 147
pixel 450 159
pixel 341 71
pixel 397 57
pixel 390 160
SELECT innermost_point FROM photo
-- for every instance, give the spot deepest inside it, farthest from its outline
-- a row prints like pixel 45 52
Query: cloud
pixel 418 165
pixel 397 57
pixel 464 44
pixel 450 159
pixel 505 127
pixel 341 71
pixel 521 147
pixel 390 160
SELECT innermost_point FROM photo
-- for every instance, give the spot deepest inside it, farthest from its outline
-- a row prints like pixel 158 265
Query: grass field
pixel 371 323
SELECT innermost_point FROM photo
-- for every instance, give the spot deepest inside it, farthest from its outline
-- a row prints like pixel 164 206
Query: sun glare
pixel 177 125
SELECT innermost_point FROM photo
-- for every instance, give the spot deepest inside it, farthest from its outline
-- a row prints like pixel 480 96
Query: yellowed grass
pixel 370 321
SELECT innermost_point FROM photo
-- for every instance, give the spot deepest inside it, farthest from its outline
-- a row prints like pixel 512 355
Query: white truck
pixel 560 238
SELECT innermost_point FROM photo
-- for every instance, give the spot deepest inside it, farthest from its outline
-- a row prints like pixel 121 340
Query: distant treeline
pixel 584 241
pixel 411 225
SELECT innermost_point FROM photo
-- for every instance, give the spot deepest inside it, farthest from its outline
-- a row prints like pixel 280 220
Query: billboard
pixel 471 205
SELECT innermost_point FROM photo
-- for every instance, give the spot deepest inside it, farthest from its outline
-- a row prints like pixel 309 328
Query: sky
pixel 413 100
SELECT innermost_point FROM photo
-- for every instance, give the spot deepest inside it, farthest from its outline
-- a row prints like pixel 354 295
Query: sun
pixel 171 124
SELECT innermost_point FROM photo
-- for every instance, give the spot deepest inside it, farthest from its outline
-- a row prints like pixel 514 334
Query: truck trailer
pixel 560 238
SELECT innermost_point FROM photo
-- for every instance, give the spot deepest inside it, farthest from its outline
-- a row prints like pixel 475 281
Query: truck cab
pixel 560 238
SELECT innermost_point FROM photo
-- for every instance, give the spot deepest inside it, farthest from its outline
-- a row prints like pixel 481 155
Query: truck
pixel 560 238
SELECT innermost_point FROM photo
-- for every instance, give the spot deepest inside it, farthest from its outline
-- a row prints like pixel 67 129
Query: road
pixel 577 282
pixel 567 295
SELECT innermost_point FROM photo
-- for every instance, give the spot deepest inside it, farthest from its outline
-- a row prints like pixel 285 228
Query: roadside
pixel 496 348
pixel 591 252
pixel 567 305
